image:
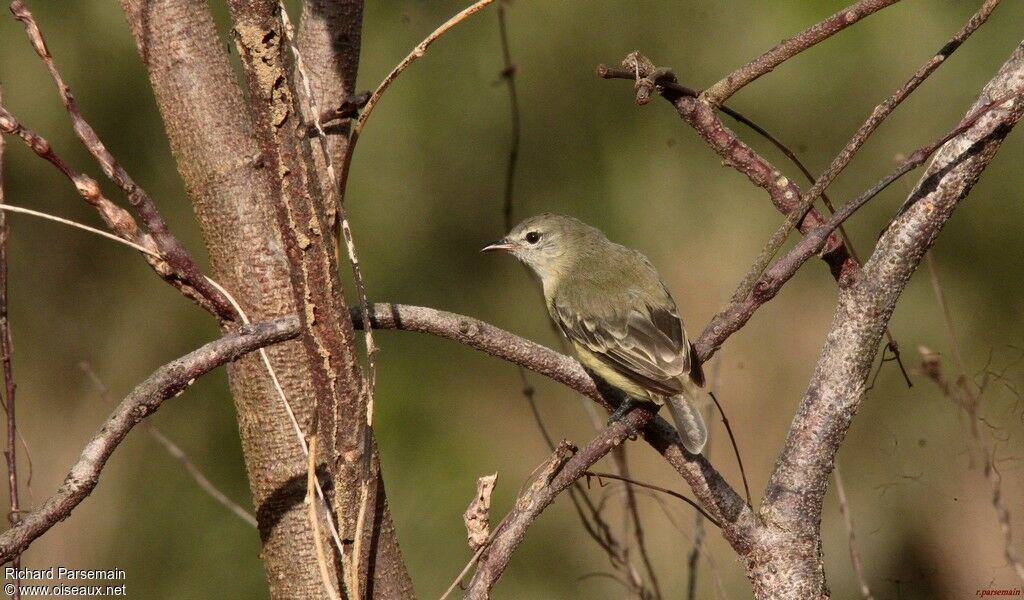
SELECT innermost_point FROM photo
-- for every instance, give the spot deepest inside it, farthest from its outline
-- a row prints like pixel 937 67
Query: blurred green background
pixel 425 195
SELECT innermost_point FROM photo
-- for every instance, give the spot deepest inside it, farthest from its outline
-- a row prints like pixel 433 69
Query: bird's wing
pixel 646 344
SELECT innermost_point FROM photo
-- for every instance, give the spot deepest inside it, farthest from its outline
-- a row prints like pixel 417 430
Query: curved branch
pixel 711 490
pixel 166 382
pixel 787 49
pixel 841 374
pixel 560 471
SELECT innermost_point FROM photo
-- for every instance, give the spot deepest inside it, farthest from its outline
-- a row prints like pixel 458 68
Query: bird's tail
pixel 686 414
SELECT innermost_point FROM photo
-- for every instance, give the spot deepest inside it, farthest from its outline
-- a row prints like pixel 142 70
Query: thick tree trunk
pixel 236 189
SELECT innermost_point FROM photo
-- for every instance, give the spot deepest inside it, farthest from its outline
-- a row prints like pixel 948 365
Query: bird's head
pixel 549 244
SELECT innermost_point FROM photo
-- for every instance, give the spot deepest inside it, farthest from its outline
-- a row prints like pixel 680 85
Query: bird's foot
pixel 619 414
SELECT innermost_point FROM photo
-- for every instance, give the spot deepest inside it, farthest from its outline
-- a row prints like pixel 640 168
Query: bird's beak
pixel 503 244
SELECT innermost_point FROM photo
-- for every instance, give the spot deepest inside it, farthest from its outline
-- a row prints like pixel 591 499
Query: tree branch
pixel 793 500
pixel 787 49
pixel 166 382
pixel 713 492
pixel 328 341
pixel 561 470
pixel 185 273
pixel 329 38
pixel 9 387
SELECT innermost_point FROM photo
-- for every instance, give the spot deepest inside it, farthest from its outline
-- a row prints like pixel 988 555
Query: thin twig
pixel 314 520
pixel 412 57
pixel 176 453
pixel 969 400
pixel 166 382
pixel 7 351
pixel 469 565
pixel 185 272
pixel 699 531
pixel 245 320
pixel 265 357
pixel 735 448
pixel 561 470
pixel 76 225
pixel 633 512
pixel 840 162
pixel 731 83
pixel 656 488
pixel 509 75
pixel 693 558
pixel 844 508
pixel 730 319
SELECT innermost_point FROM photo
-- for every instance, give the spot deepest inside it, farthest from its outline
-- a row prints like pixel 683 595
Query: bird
pixel 614 308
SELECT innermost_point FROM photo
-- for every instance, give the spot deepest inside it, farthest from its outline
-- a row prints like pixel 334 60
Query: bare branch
pixel 718 497
pixel 564 467
pixel 793 500
pixel 6 351
pixel 209 125
pixel 656 488
pixel 730 319
pixel 116 218
pixel 192 282
pixel 176 453
pixel 840 162
pixel 851 537
pixel 969 399
pixel 784 193
pixel 166 382
pixel 418 52
pixel 509 75
pixel 787 49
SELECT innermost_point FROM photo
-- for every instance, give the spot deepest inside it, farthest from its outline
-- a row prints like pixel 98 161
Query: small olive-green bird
pixel 610 302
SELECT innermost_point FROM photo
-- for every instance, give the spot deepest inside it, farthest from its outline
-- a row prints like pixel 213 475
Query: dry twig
pixel 787 49
pixel 177 453
pixel 166 382
pixel 6 351
pixel 844 508
pixel 314 521
pixel 177 266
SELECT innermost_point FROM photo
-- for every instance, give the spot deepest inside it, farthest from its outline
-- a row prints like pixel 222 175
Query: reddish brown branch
pixel 787 49
pixel 796 489
pixel 166 382
pixel 845 156
pixel 6 350
pixel 182 268
pixel 768 285
pixel 116 218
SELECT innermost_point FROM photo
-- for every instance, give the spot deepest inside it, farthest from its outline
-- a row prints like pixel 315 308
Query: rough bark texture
pixel 786 562
pixel 211 135
pixel 328 338
pixel 329 39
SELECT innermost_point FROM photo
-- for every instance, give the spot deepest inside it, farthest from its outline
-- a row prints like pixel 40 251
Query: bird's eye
pixel 533 237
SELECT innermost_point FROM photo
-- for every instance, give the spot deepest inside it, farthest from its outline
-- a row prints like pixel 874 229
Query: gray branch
pixel 166 382
pixel 786 562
